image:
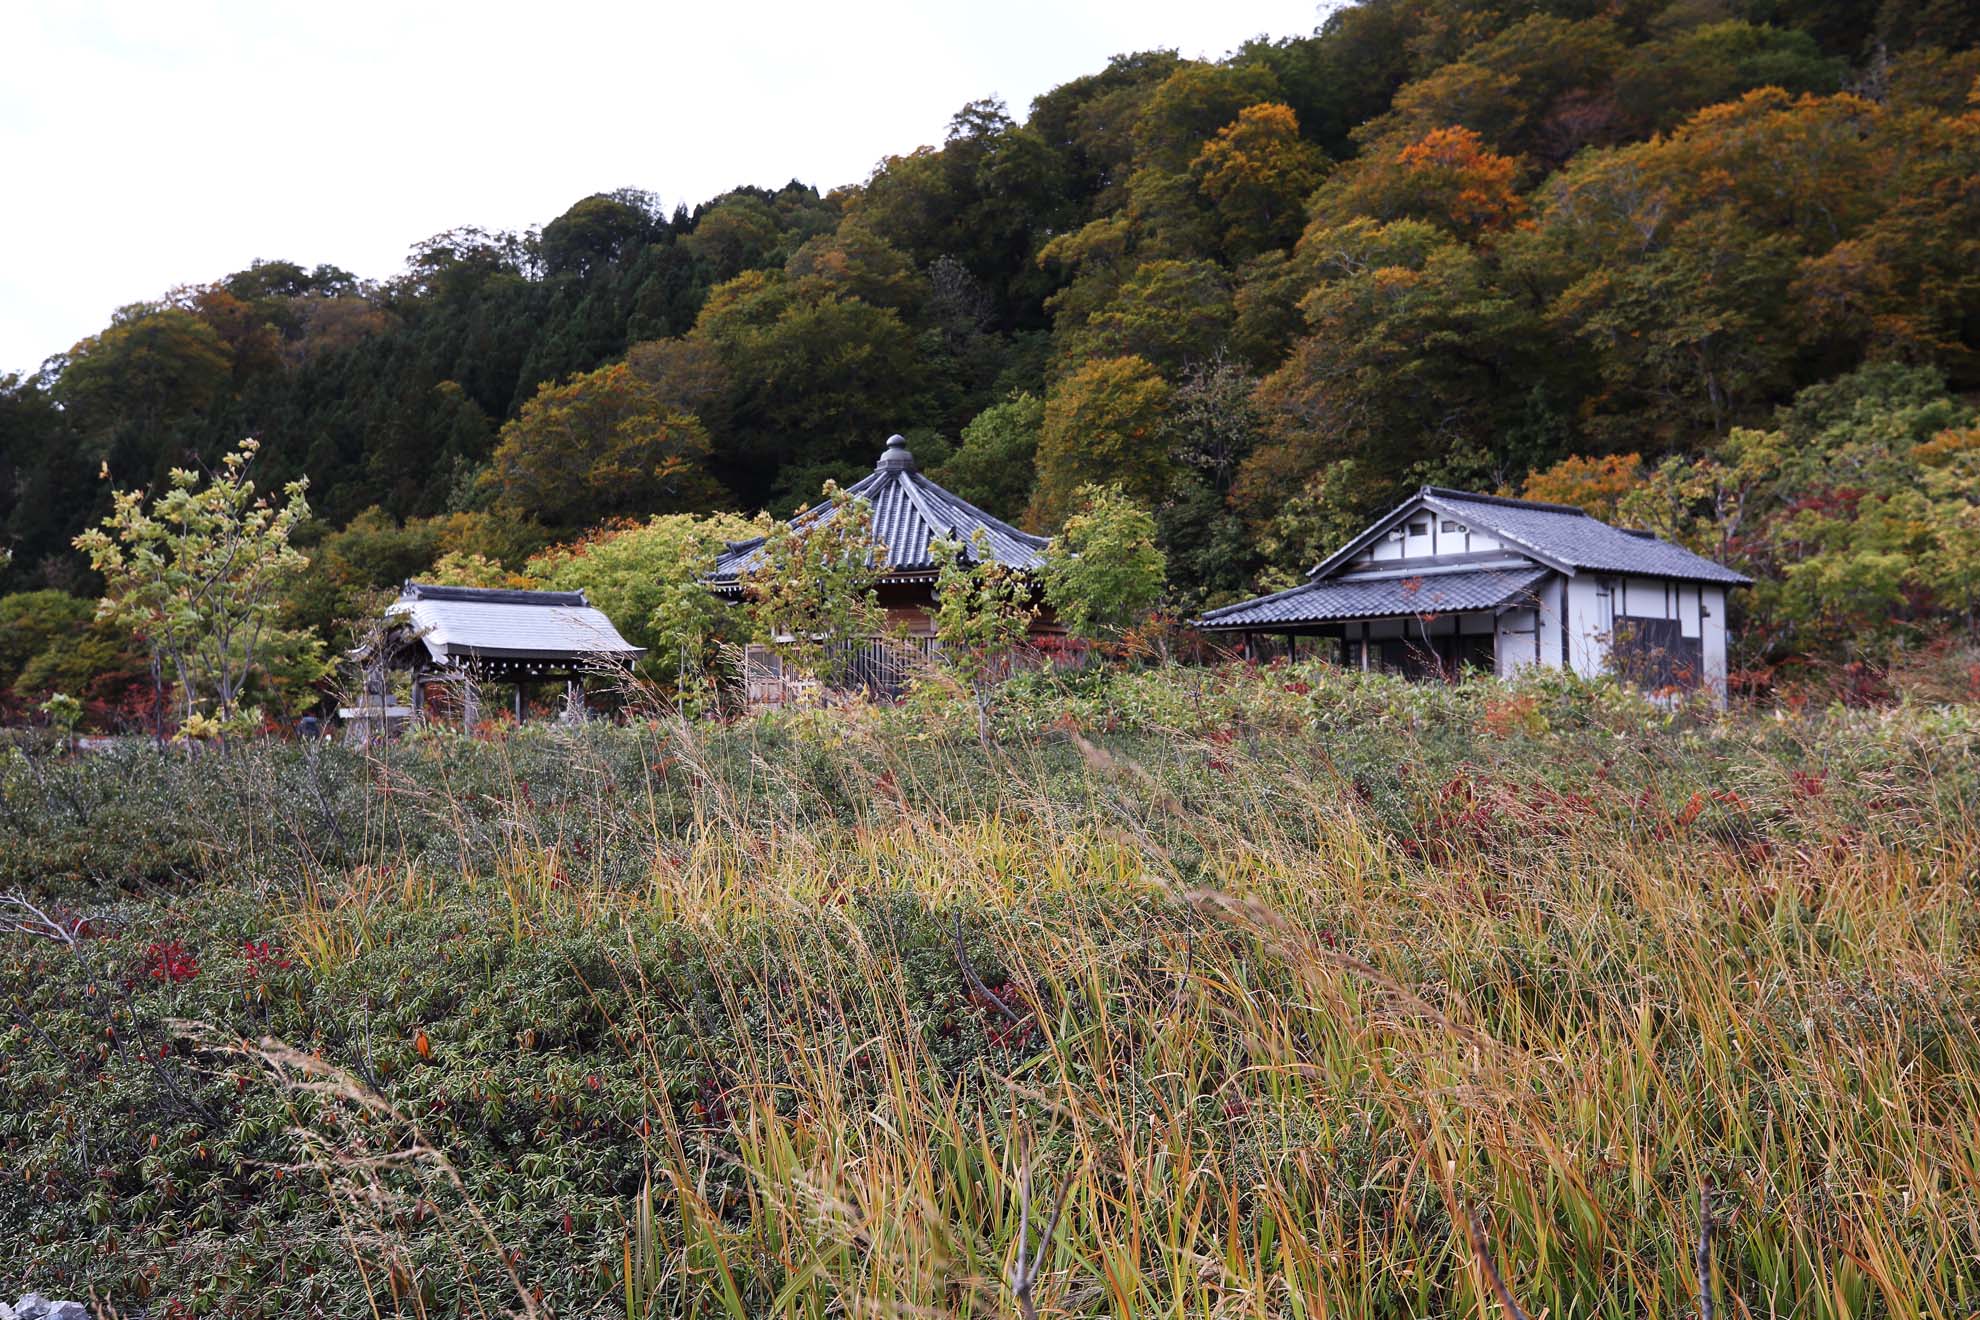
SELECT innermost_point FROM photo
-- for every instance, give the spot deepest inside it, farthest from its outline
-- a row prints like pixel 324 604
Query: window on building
pixel 1421 527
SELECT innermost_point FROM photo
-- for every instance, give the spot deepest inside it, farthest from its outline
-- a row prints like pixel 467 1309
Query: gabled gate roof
pixel 471 623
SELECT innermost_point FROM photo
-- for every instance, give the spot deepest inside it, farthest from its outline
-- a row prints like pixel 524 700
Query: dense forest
pixel 1712 265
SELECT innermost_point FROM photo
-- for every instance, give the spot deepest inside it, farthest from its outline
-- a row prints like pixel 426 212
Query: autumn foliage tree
pixel 1857 514
pixel 601 444
pixel 1449 177
pixel 1258 172
pixel 1103 421
pixel 1596 484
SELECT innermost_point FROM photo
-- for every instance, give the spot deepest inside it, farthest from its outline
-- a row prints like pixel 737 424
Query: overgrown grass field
pixel 1281 992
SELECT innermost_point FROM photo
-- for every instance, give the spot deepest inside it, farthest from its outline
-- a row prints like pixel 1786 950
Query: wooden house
pixel 1449 579
pixel 464 641
pixel 910 514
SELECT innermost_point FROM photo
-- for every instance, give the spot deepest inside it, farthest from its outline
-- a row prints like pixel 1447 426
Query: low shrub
pixel 1281 973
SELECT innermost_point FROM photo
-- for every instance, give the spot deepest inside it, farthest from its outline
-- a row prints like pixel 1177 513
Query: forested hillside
pixel 1645 251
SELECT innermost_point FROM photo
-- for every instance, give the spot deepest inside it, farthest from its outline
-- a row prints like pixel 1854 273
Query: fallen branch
pixel 975 982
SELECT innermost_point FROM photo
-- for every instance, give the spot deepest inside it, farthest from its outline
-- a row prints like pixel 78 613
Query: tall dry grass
pixel 1274 1049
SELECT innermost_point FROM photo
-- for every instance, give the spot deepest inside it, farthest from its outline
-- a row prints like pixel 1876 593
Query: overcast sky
pixel 158 143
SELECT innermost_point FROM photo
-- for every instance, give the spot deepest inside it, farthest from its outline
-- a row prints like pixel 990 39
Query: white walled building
pixel 1449 579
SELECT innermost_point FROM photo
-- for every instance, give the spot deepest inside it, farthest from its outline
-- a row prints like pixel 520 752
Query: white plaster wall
pixel 1713 634
pixel 1648 598
pixel 1417 545
pixel 1589 623
pixel 1519 644
pixel 1436 539
pixel 1553 616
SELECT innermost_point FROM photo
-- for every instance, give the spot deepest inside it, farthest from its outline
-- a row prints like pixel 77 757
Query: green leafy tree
pixel 1168 313
pixel 198 574
pixel 983 200
pixel 1105 572
pixel 1321 513
pixel 1213 426
pixel 738 233
pixel 810 372
pixel 1684 337
pixel 1858 515
pixel 647 578
pixel 1413 350
pixel 465 568
pixel 1540 88
pixel 599 230
pixel 151 366
pixel 994 467
pixel 1190 105
pixel 854 262
pixel 1103 423
pixel 101 663
pixel 983 609
pixel 1665 80
pixel 812 595
pixel 33 621
pixel 1088 124
pixel 353 569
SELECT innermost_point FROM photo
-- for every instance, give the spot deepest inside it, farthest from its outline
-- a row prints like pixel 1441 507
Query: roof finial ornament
pixel 896 458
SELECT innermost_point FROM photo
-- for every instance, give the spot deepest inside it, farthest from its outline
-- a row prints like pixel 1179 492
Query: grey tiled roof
pixel 1563 535
pixel 466 622
pixel 910 512
pixel 1376 598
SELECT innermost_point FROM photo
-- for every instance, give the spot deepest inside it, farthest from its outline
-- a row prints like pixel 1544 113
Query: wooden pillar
pixel 519 701
pixel 469 713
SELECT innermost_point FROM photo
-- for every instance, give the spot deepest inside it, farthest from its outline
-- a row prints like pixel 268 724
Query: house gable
pixel 1419 536
pixel 1435 524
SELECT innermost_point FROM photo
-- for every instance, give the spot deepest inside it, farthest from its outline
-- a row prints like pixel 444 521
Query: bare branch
pixel 975 982
pixel 1706 1224
pixel 1481 1248
pixel 18 916
pixel 1031 1260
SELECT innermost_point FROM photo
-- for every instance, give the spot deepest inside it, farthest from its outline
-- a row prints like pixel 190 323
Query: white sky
pixel 162 142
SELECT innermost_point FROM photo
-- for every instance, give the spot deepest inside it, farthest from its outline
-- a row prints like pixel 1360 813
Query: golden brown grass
pixel 1277 1053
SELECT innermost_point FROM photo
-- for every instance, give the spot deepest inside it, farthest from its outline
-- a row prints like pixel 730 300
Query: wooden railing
pixel 878 666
